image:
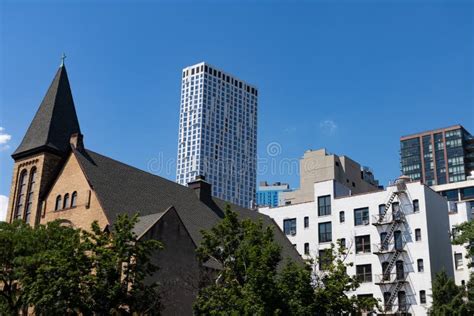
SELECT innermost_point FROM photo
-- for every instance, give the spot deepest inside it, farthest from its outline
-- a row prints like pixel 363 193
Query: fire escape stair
pixel 397 219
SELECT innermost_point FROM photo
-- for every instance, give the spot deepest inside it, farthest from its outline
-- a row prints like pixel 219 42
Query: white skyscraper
pixel 218 133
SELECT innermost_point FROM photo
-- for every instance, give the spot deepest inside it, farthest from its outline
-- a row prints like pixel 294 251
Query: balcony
pixel 396 277
pixel 380 249
pixel 388 218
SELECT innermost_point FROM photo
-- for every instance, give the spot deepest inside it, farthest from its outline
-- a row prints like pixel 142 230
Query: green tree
pixel 296 289
pixel 470 295
pixel 16 241
pixel 465 236
pixel 62 270
pixel 119 270
pixel 253 280
pixel 333 283
pixel 51 277
pixel 248 257
pixel 447 296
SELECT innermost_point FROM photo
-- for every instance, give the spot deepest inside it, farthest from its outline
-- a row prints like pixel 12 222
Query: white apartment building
pixel 397 238
pixel 460 199
pixel 218 133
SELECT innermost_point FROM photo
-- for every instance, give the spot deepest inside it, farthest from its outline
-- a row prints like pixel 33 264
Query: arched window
pixel 58 203
pixel 20 195
pixel 74 199
pixel 29 196
pixel 66 200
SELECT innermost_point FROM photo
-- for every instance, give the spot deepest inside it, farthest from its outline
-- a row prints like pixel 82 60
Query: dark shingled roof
pixel 54 122
pixel 146 222
pixel 121 188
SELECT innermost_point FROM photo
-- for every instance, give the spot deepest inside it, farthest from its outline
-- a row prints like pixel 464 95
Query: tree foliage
pixel 333 283
pixel 62 270
pixel 465 236
pixel 447 296
pixel 254 280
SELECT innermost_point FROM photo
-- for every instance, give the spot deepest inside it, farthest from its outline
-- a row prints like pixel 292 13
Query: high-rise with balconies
pixel 218 133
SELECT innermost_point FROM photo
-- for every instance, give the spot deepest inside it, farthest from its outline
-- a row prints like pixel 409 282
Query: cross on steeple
pixel 62 59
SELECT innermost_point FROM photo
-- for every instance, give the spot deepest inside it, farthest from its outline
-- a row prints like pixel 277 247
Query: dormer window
pixel 58 205
pixel 74 199
pixel 66 201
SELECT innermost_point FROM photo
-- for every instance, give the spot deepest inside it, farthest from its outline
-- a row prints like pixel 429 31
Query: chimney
pixel 76 141
pixel 201 188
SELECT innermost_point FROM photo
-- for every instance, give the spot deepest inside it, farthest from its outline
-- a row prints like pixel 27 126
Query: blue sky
pixel 351 76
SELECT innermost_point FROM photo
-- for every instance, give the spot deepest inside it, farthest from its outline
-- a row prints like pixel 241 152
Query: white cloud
pixel 4 139
pixel 328 127
pixel 3 207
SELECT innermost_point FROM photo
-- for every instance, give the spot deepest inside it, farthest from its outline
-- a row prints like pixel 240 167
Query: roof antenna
pixel 62 60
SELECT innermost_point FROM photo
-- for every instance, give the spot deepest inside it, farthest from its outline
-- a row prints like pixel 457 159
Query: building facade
pixel 397 239
pixel 319 165
pixel 271 194
pixel 438 156
pixel 460 199
pixel 218 133
pixel 55 176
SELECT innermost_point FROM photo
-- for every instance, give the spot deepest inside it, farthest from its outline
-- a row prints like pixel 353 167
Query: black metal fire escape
pixel 393 247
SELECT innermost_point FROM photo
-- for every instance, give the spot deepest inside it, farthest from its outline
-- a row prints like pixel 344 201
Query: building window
pixel 324 259
pixel 29 196
pixel 454 232
pixel 66 201
pixel 458 260
pixel 325 232
pixel 342 217
pixel 395 208
pixel 416 206
pixel 20 196
pixel 422 297
pixel 364 273
pixel 324 205
pixel 306 248
pixel 306 222
pixel 398 240
pixel 361 216
pixel 421 268
pixel 402 301
pixel 289 226
pixel 362 244
pixel 342 243
pixel 74 199
pixel 417 234
pixel 381 209
pixel 386 298
pixel 58 203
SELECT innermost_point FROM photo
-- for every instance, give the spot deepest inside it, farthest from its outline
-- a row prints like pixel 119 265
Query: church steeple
pixel 43 150
pixel 54 122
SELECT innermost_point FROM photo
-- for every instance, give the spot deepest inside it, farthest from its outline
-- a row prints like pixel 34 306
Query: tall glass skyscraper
pixel 439 156
pixel 218 133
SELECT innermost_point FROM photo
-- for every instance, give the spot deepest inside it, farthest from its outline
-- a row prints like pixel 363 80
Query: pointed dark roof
pixel 54 122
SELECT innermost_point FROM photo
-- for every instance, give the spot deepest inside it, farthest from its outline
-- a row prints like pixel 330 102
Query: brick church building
pixel 56 176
